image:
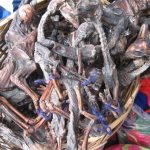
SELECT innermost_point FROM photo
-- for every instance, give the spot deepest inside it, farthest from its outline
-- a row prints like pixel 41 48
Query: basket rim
pixel 115 125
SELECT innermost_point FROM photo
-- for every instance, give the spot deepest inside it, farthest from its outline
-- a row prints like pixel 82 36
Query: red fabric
pixel 145 88
pixel 137 137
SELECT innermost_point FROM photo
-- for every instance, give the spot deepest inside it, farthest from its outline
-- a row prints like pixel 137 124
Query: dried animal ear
pixel 143 34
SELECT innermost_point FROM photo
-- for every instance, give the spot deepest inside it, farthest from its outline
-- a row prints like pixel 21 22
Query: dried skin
pixel 21 65
pixel 72 143
pixel 75 34
pixel 109 69
pixel 126 13
pixel 141 46
pixel 58 122
pixel 26 13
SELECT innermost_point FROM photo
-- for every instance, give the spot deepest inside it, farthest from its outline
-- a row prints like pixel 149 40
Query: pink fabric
pixel 137 137
pixel 125 147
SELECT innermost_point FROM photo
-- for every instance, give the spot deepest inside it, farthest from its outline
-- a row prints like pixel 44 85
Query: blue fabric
pixel 46 116
pixel 141 101
pixel 108 106
pixel 42 81
pixel 91 79
pixel 39 82
pixel 101 119
pixel 3 12
pixel 16 4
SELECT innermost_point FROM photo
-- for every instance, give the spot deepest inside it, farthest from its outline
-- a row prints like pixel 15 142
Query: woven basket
pixel 94 143
pixel 99 142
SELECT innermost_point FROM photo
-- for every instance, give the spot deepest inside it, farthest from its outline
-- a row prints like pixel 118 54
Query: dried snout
pixel 141 46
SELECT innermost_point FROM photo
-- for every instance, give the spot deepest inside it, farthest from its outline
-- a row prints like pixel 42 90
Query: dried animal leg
pixel 58 122
pixel 39 124
pixel 50 135
pixel 80 105
pixel 87 115
pixel 72 143
pixel 34 121
pixel 57 89
pixel 46 105
pixel 46 94
pixel 9 113
pixel 19 79
pixel 24 126
pixel 59 141
pixel 56 110
pixel 16 112
pixel 109 70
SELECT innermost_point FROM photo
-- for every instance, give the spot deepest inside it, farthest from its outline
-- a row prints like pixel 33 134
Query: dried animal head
pixel 26 13
pixel 87 8
pixel 141 46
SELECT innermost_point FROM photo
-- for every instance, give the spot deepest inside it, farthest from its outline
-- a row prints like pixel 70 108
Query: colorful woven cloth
pixel 126 147
pixel 136 128
pixel 140 137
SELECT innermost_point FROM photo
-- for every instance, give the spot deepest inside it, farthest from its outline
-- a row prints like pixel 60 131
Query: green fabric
pixel 142 125
pixel 125 147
